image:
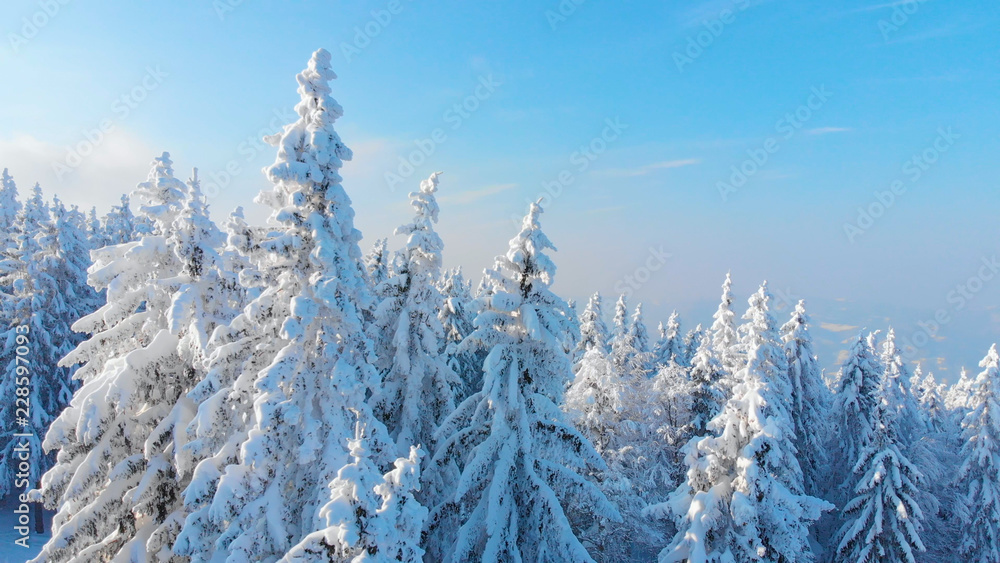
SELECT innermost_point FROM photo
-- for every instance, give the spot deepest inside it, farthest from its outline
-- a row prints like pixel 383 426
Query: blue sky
pixel 834 101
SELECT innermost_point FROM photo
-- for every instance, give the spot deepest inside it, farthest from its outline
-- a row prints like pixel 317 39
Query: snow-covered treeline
pixel 268 393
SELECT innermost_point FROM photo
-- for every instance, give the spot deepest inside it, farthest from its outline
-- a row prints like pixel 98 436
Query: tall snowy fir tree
pixel 456 317
pixel 418 387
pixel 856 401
pixel 309 395
pixel 979 474
pixel 707 393
pixel 520 459
pixel 609 412
pixel 723 331
pixel 743 499
pixel 882 520
pixel 810 399
pixel 689 347
pixel 619 323
pixel 373 518
pixel 898 393
pixel 377 262
pixel 593 330
pixel 45 298
pixel 113 482
pixel 669 347
pixel 959 396
pixel 10 208
pixel 120 223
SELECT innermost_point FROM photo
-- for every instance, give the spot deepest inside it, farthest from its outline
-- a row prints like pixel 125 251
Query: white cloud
pixel 833 327
pixel 643 170
pixel 827 130
pixel 116 165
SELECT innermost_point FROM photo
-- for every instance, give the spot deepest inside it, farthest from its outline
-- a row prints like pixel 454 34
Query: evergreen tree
pixel 743 499
pixel 619 325
pixel 810 399
pixel 723 330
pixel 608 412
pixel 669 346
pixel 418 387
pixel 519 458
pixel 979 474
pixel 883 519
pixel 120 223
pixel 114 482
pixel 960 395
pixel 690 345
pixel 96 235
pixel 377 262
pixel 855 403
pixel 315 373
pixel 932 404
pixel 10 208
pixel 456 317
pixel 370 518
pixel 898 393
pixel 707 394
pixel 593 330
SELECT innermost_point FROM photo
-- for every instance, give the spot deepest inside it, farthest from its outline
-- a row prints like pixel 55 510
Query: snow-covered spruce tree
pixel 10 208
pixel 883 517
pixel 206 295
pixel 723 331
pixel 669 345
pixel 113 482
pixel 371 518
pixel 743 499
pixel 308 383
pixel 120 223
pixel 35 316
pixel 854 406
pixel 637 337
pixel 898 393
pixel 630 346
pixel 707 394
pixel 456 316
pixel 932 406
pixel 519 457
pixel 979 475
pixel 377 262
pixel 690 345
pixel 959 396
pixel 571 337
pixel 810 406
pixel 593 330
pixel 608 412
pixel 418 386
pixel 619 323
pixel 96 235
